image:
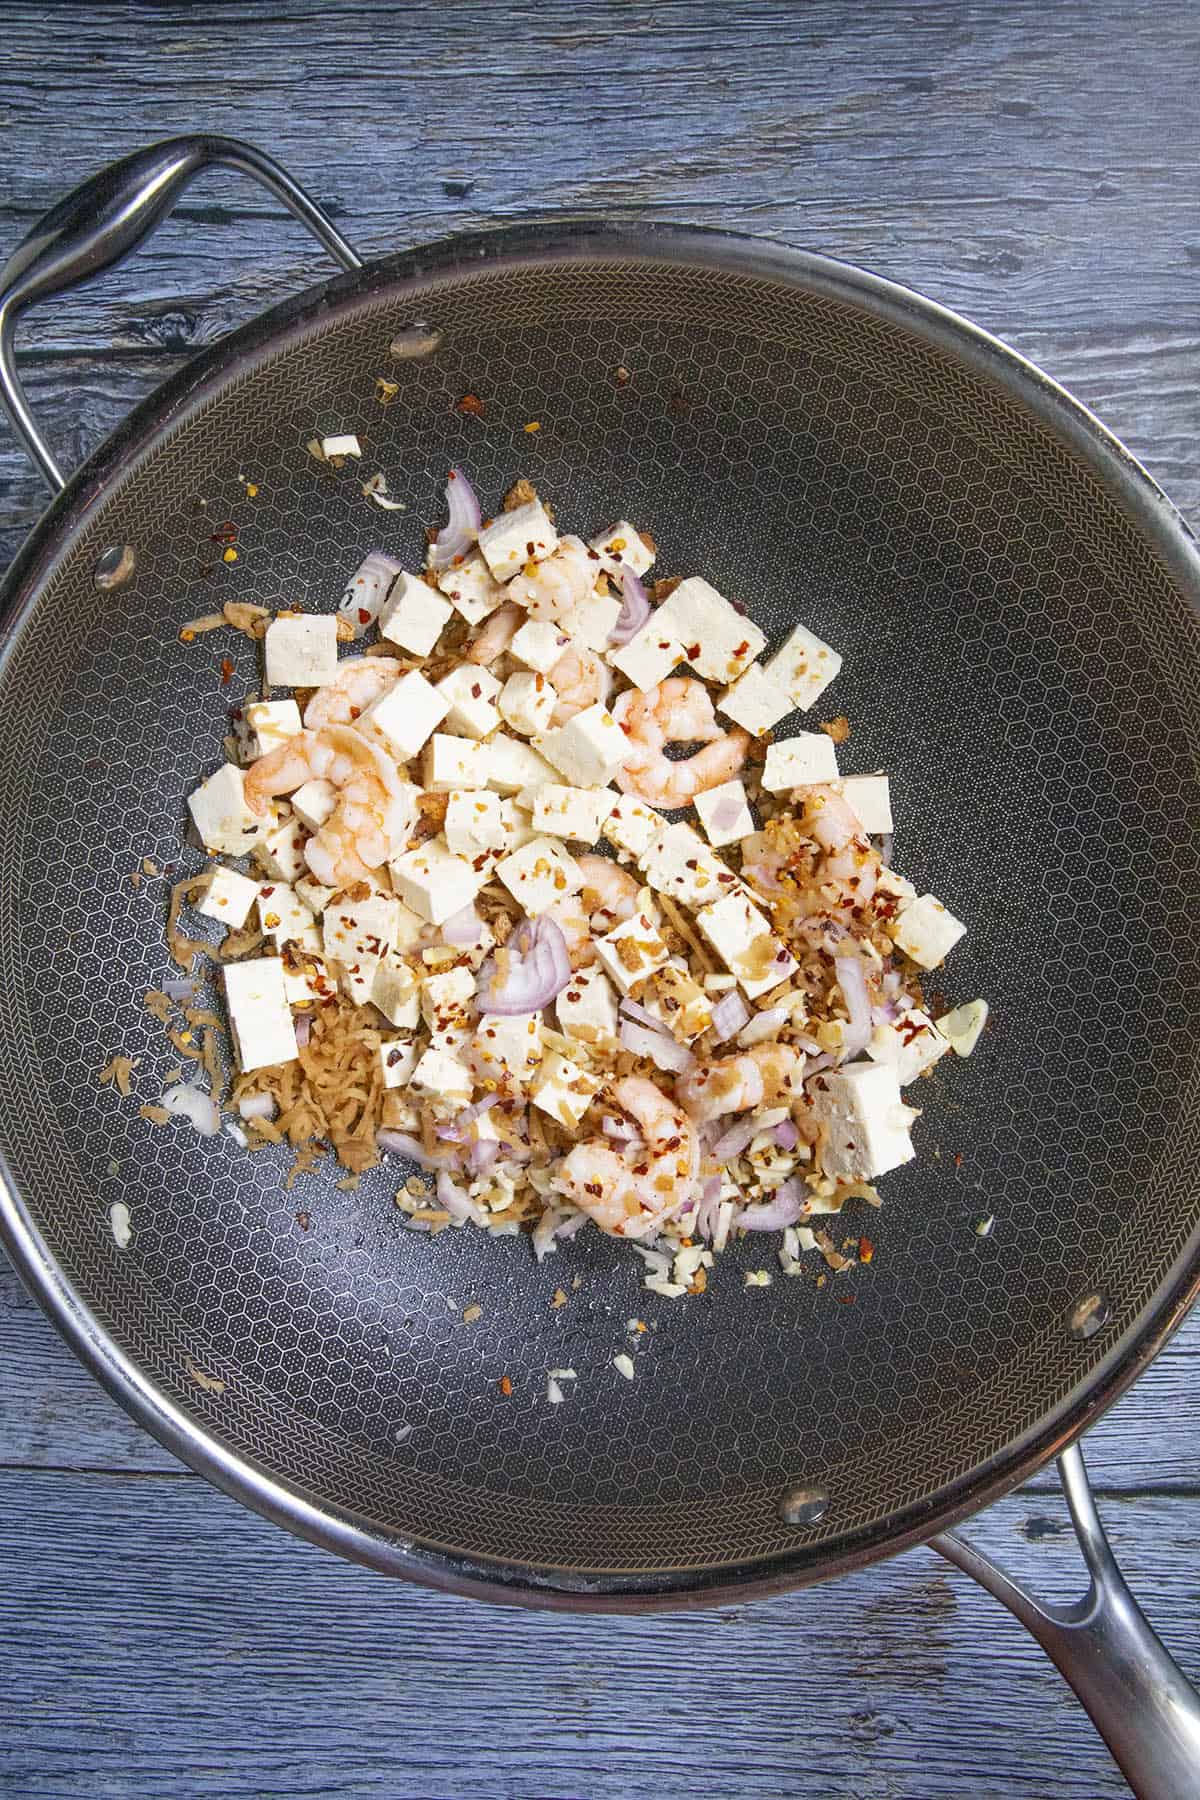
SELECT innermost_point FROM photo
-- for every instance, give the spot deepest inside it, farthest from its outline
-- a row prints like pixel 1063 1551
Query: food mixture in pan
pixel 526 888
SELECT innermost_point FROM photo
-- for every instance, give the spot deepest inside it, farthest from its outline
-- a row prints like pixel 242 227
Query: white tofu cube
pixel 516 825
pixel 301 651
pixel 260 726
pixel 626 543
pixel 963 1025
pixel 926 931
pixel 895 887
pixel 631 825
pixel 911 1044
pixel 469 692
pixel 632 950
pixel 285 918
pixel 305 980
pixel 867 1123
pixel 413 615
pixel 804 667
pixel 755 702
pixel 448 1000
pixel 507 1047
pixel 398 1059
pixel 589 749
pixel 475 822
pixel 563 1090
pixel 228 897
pixel 357 934
pixel 679 863
pixel 538 645
pixel 570 812
pixel 280 853
pixel 869 799
pixel 514 538
pixel 314 802
pixel 435 882
pixel 717 641
pixel 527 702
pixel 513 765
pixel 595 620
pixel 648 657
pixel 454 762
pixel 395 990
pixel 725 813
pixel 799 761
pixel 367 591
pixel 314 896
pixel 260 1018
pixel 743 940
pixel 471 589
pixel 587 1008
pixel 219 812
pixel 407 714
pixel 443 1079
pixel 539 874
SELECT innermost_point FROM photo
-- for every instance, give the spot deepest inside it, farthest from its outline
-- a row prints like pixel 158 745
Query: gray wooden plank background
pixel 1033 167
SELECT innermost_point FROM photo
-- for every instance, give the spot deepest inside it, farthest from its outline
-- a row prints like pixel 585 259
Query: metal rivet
pixel 415 340
pixel 1089 1315
pixel 803 1505
pixel 114 567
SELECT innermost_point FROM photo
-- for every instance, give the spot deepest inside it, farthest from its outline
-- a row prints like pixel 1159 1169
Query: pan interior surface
pixel 1017 656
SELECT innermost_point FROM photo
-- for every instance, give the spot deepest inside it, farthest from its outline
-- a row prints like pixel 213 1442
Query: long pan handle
pixel 1139 1701
pixel 106 218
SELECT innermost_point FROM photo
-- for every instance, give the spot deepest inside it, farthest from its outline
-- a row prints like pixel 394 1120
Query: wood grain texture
pixel 1033 167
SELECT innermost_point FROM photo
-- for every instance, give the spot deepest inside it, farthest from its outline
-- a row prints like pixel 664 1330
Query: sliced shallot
pixel 635 608
pixel 462 528
pixel 526 973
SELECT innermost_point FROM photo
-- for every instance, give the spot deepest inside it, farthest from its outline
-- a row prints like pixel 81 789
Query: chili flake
pixel 505 1386
pixel 472 405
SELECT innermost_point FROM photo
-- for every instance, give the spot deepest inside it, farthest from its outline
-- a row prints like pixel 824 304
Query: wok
pixel 1017 605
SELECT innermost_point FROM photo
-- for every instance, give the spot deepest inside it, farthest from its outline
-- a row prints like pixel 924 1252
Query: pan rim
pixel 195 385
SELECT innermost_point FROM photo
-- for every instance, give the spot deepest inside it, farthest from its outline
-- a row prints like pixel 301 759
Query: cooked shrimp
pixel 374 814
pixel 342 699
pixel 677 711
pixel 573 922
pixel 848 868
pixel 610 893
pixel 580 678
pixel 631 1193
pixel 767 1075
pixel 559 588
pixel 497 634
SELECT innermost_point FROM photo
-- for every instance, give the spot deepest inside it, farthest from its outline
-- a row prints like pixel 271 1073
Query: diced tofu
pixel 678 862
pixel 398 1059
pixel 471 589
pixel 305 981
pixel 804 667
pixel 595 619
pixel 314 802
pixel 587 1008
pixel 435 882
pixel 648 657
pixel 281 852
pixel 407 714
pixel 926 931
pixel 301 651
pixel 470 691
pixel 367 591
pixel 538 874
pixel 869 799
pixel 724 813
pixel 911 1044
pixel 589 749
pixel 517 828
pixel 448 1000
pixel 443 1078
pixel 625 542
pixel 570 812
pixel 799 761
pixel 563 1090
pixel 538 645
pixel 717 641
pixel 963 1025
pixel 527 702
pixel 514 538
pixel 743 940
pixel 285 918
pixel 413 615
pixel 632 950
pixel 314 896
pixel 264 725
pixel 631 825
pixel 228 897
pixel 755 702
pixel 867 1123
pixel 395 990
pixel 679 1002
pixel 894 886
pixel 454 762
pixel 513 765
pixel 260 1019
pixel 508 1046
pixel 475 822
pixel 219 812
pixel 358 935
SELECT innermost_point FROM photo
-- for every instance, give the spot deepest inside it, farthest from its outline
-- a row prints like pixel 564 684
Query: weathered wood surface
pixel 1034 167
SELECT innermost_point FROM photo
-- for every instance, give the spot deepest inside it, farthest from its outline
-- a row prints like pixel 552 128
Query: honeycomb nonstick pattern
pixel 1016 656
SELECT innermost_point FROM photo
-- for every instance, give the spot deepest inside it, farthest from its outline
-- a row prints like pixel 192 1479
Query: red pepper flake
pixel 225 533
pixel 505 1386
pixel 226 671
pixel 364 617
pixel 866 1249
pixel 472 405
pixel 844 1299
pixel 958 1161
pixel 266 892
pixel 693 652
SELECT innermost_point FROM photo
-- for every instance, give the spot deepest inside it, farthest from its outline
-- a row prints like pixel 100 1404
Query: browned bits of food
pixel 622 376
pixel 505 1385
pixel 471 405
pixel 385 390
pixel 251 620
pixel 194 628
pixel 838 729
